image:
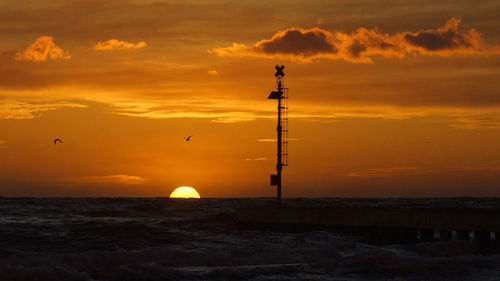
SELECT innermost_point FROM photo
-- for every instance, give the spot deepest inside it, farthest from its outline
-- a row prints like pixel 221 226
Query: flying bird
pixel 188 138
pixel 57 140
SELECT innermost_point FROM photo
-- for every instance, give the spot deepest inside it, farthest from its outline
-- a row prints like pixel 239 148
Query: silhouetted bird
pixel 57 140
pixel 188 138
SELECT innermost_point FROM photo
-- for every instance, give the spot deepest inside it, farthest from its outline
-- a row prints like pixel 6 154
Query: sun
pixel 185 192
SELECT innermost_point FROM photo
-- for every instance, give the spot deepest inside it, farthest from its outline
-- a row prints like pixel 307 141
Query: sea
pixel 139 239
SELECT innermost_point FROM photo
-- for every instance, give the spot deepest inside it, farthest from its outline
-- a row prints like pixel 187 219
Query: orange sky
pixel 388 98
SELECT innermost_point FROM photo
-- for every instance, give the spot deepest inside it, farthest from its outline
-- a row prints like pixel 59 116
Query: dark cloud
pixel 300 42
pixel 361 45
pixel 446 40
pixel 433 40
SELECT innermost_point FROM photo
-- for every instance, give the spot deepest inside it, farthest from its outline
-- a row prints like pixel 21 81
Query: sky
pixel 387 98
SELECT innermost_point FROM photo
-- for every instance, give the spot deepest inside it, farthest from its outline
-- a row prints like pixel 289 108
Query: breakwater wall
pixel 384 224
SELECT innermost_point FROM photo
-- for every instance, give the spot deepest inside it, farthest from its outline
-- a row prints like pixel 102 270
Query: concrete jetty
pixel 384 224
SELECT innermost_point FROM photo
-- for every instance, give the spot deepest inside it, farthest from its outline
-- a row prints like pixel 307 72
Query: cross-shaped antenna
pixel 279 71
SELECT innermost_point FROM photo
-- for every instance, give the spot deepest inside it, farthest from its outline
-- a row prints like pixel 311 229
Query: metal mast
pixel 282 129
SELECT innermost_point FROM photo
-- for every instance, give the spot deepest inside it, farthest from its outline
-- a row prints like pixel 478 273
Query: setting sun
pixel 185 192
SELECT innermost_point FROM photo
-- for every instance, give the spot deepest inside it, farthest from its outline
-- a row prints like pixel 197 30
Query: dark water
pixel 163 239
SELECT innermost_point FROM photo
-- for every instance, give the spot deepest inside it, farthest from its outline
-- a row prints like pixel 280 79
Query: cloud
pixel 476 122
pixel 305 45
pixel 295 43
pixel 41 50
pixel 393 171
pixel 3 144
pixel 114 44
pixel 115 179
pixel 410 171
pixel 267 140
pixel 11 109
pixel 218 110
pixel 232 111
pixel 235 50
pixel 29 104
pixel 362 45
pixel 450 39
pixel 213 72
pixel 298 42
pixel 256 159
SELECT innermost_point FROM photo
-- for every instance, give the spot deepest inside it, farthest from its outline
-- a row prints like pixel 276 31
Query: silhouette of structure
pixel 281 94
pixel 385 224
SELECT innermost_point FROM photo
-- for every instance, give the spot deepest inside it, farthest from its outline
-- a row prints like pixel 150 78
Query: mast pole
pixel 279 164
pixel 279 95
